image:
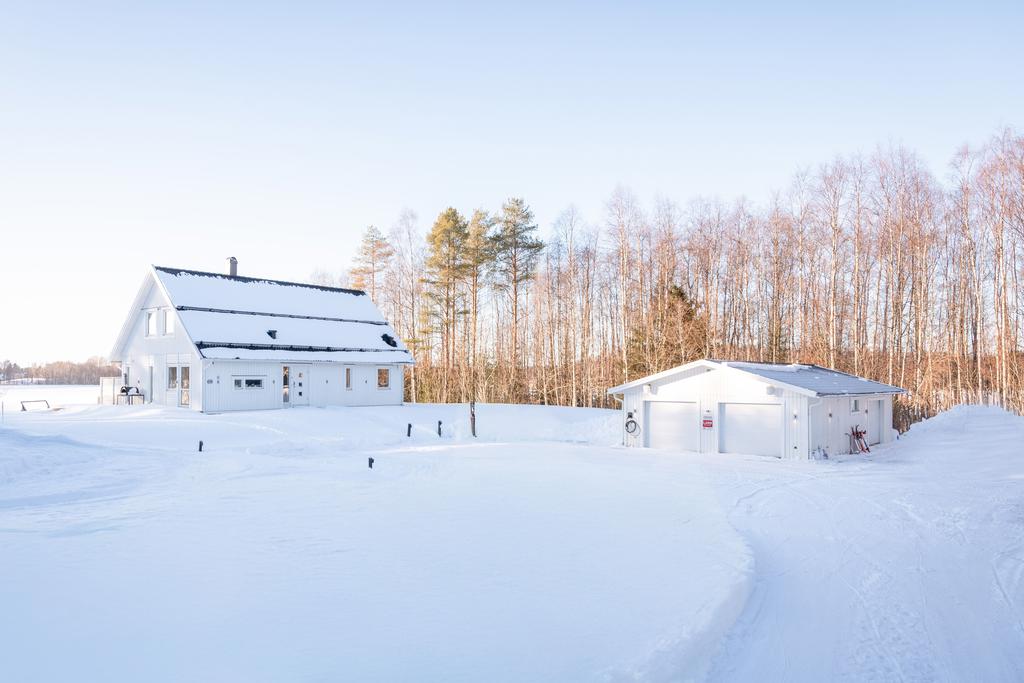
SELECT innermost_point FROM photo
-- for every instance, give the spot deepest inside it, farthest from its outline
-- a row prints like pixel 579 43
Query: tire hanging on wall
pixel 632 427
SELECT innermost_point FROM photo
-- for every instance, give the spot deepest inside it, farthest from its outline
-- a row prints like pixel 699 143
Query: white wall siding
pixel 834 418
pixel 324 382
pixel 142 352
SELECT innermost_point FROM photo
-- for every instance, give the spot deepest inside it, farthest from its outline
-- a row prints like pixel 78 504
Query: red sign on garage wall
pixel 708 423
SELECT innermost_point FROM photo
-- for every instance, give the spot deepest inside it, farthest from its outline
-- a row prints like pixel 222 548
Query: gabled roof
pixel 229 317
pixel 811 380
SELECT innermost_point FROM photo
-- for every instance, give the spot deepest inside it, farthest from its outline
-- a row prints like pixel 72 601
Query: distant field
pixel 57 394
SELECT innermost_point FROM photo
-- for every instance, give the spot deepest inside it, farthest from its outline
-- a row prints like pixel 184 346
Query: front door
pixel 874 422
pixel 295 385
pixel 184 397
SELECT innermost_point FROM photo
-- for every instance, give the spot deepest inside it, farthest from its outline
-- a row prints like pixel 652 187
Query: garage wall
pixel 712 387
pixel 832 420
pixel 633 402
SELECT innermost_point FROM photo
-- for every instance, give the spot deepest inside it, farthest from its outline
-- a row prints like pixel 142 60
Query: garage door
pixel 673 425
pixel 754 428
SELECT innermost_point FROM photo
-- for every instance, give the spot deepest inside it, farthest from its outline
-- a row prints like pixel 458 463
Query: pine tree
pixel 370 262
pixel 516 252
pixel 446 269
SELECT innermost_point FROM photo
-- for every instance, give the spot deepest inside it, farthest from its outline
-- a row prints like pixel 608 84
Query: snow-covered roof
pixel 822 381
pixel 229 316
pixel 812 380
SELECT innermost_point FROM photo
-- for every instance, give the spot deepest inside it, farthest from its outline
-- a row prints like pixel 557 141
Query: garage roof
pixel 808 379
pixel 822 381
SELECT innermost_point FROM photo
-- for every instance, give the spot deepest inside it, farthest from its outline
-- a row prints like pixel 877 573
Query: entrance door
pixel 295 385
pixel 184 395
pixel 673 425
pixel 751 428
pixel 874 422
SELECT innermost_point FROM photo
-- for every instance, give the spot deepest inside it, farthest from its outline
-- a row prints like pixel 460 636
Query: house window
pixel 150 323
pixel 168 321
pixel 383 378
pixel 248 382
pixel 348 378
pixel 854 405
pixel 172 377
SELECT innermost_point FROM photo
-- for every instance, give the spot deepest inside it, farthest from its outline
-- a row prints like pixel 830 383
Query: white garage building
pixel 216 343
pixel 788 411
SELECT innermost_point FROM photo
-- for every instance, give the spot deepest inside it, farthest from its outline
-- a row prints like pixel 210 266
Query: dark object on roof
pixel 389 340
pixel 272 334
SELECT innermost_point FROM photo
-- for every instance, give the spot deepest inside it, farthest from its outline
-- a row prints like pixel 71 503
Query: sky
pixel 182 133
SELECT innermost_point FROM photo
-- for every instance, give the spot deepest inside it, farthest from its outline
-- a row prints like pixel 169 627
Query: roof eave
pixel 122 336
pixel 710 364
pixel 894 391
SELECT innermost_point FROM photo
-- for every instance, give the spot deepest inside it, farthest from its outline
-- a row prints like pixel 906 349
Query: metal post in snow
pixel 439 428
pixel 408 431
pixel 472 418
pixel 200 445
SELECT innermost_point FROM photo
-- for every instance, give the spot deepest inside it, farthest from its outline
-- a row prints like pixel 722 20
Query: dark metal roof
pixel 288 347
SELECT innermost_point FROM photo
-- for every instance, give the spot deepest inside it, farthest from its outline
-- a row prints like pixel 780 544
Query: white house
pixel 215 342
pixel 789 411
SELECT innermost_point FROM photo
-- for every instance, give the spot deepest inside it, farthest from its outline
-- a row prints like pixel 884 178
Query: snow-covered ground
pixel 539 551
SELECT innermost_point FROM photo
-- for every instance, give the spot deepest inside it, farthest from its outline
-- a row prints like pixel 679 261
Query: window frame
pixel 150 327
pixel 348 379
pixel 168 321
pixel 387 384
pixel 854 405
pixel 248 383
pixel 172 377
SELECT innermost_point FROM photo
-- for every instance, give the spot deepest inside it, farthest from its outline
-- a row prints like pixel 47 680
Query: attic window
pixel 272 334
pixel 389 340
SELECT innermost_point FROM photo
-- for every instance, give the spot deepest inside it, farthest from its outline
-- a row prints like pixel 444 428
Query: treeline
pixel 59 372
pixel 868 264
